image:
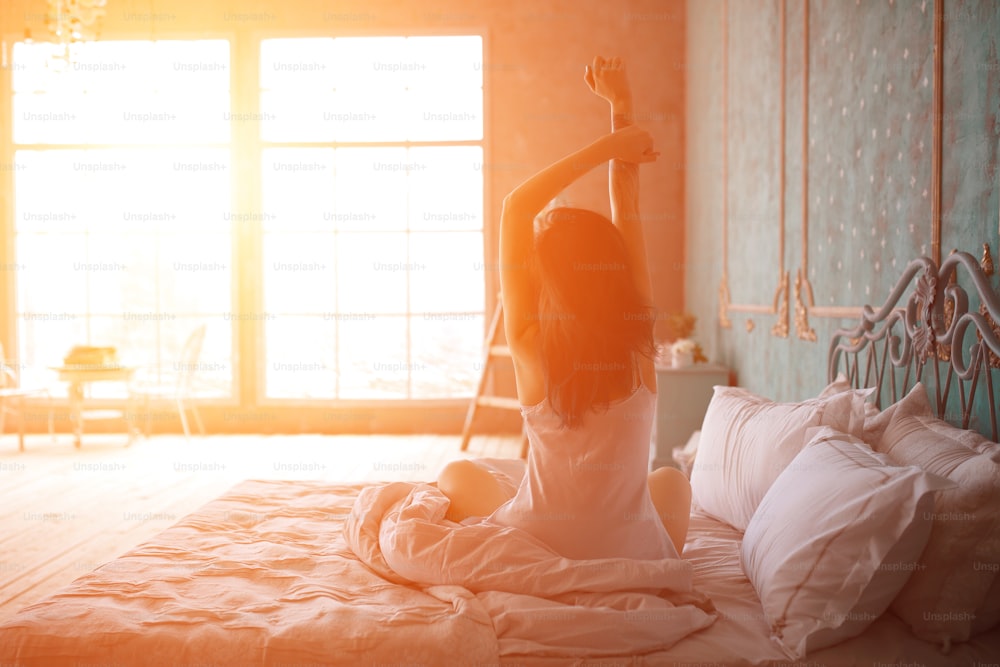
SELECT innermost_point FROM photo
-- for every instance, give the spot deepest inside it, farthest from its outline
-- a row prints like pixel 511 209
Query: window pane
pixel 435 115
pixel 301 353
pixel 201 65
pixel 447 354
pixel 371 62
pixel 372 115
pixel 447 191
pixel 299 273
pixel 307 115
pixel 444 275
pixel 113 117
pixel 96 65
pixel 371 189
pixel 297 63
pixel 371 273
pixel 123 190
pixel 372 89
pixel 192 277
pixel 122 92
pixel 44 340
pixel 296 185
pixel 120 274
pixel 53 279
pixel 373 359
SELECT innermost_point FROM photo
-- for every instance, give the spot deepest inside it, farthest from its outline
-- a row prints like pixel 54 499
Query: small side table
pixel 77 377
pixel 682 397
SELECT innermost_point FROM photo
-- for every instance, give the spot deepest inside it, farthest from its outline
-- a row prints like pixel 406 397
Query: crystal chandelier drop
pixel 72 21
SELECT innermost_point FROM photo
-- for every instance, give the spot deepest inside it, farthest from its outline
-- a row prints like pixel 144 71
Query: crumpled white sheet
pixel 540 603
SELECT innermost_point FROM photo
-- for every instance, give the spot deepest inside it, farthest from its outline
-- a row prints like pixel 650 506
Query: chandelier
pixel 71 21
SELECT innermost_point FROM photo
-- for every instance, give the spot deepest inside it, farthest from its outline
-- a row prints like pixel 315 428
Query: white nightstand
pixel 683 395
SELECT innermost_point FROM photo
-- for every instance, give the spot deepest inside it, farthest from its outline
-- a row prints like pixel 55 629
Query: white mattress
pixel 263 576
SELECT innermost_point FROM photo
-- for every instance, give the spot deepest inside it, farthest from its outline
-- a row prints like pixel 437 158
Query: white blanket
pixel 540 603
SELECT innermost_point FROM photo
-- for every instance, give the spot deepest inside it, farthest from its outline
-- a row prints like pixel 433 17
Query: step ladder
pixel 493 352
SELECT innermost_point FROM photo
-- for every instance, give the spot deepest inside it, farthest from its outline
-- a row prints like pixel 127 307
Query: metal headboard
pixel 944 335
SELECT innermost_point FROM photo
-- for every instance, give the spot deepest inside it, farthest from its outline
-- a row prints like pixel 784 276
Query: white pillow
pixel 840 384
pixel 746 441
pixel 947 599
pixel 835 539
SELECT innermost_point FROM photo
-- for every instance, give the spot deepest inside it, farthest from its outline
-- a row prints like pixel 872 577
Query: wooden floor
pixel 65 511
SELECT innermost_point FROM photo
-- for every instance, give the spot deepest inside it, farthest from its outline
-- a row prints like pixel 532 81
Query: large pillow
pixel 914 403
pixel 948 597
pixel 746 441
pixel 835 539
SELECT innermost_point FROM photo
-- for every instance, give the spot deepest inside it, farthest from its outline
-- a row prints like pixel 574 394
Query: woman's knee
pixel 456 475
pixel 671 495
pixel 471 489
pixel 672 483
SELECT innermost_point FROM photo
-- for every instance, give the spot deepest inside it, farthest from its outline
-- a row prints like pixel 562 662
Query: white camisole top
pixel 585 492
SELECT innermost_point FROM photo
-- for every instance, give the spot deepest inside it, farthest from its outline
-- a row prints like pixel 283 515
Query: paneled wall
pixel 827 146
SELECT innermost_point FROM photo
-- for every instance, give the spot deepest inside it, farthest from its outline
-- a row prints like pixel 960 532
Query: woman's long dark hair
pixel 594 325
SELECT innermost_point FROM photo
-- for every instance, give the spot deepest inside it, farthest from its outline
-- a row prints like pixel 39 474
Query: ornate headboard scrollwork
pixel 945 335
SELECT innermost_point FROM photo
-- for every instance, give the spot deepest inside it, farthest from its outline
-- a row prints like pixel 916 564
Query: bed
pixel 820 535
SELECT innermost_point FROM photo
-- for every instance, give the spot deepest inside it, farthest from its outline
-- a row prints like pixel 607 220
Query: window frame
pixel 248 410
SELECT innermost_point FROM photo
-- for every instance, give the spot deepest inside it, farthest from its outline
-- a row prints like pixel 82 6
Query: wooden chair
pixel 12 398
pixel 179 391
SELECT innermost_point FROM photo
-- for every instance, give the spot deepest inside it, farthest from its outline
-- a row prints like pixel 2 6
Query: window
pixel 372 223
pixel 369 211
pixel 122 199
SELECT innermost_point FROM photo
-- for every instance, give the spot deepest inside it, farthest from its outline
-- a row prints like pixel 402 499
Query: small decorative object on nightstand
pixel 683 395
pixel 682 353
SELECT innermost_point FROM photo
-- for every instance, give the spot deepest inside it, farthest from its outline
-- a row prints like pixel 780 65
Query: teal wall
pixel 869 170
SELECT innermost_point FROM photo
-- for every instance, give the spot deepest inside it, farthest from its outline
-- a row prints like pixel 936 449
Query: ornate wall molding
pixel 937 129
pixel 801 289
pixel 779 304
pixel 839 312
pixel 724 320
pixel 802 328
pixel 780 328
pixel 724 300
pixel 802 305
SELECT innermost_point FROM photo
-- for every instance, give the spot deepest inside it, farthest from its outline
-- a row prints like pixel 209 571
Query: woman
pixel 578 319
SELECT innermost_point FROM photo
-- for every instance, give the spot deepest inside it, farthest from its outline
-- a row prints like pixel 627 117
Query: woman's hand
pixel 631 144
pixel 606 77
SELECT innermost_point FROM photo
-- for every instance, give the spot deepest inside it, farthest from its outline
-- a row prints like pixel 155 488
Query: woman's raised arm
pixel 518 292
pixel 607 79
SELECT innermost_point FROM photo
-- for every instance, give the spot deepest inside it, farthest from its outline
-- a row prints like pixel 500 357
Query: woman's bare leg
pixel 671 494
pixel 472 490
